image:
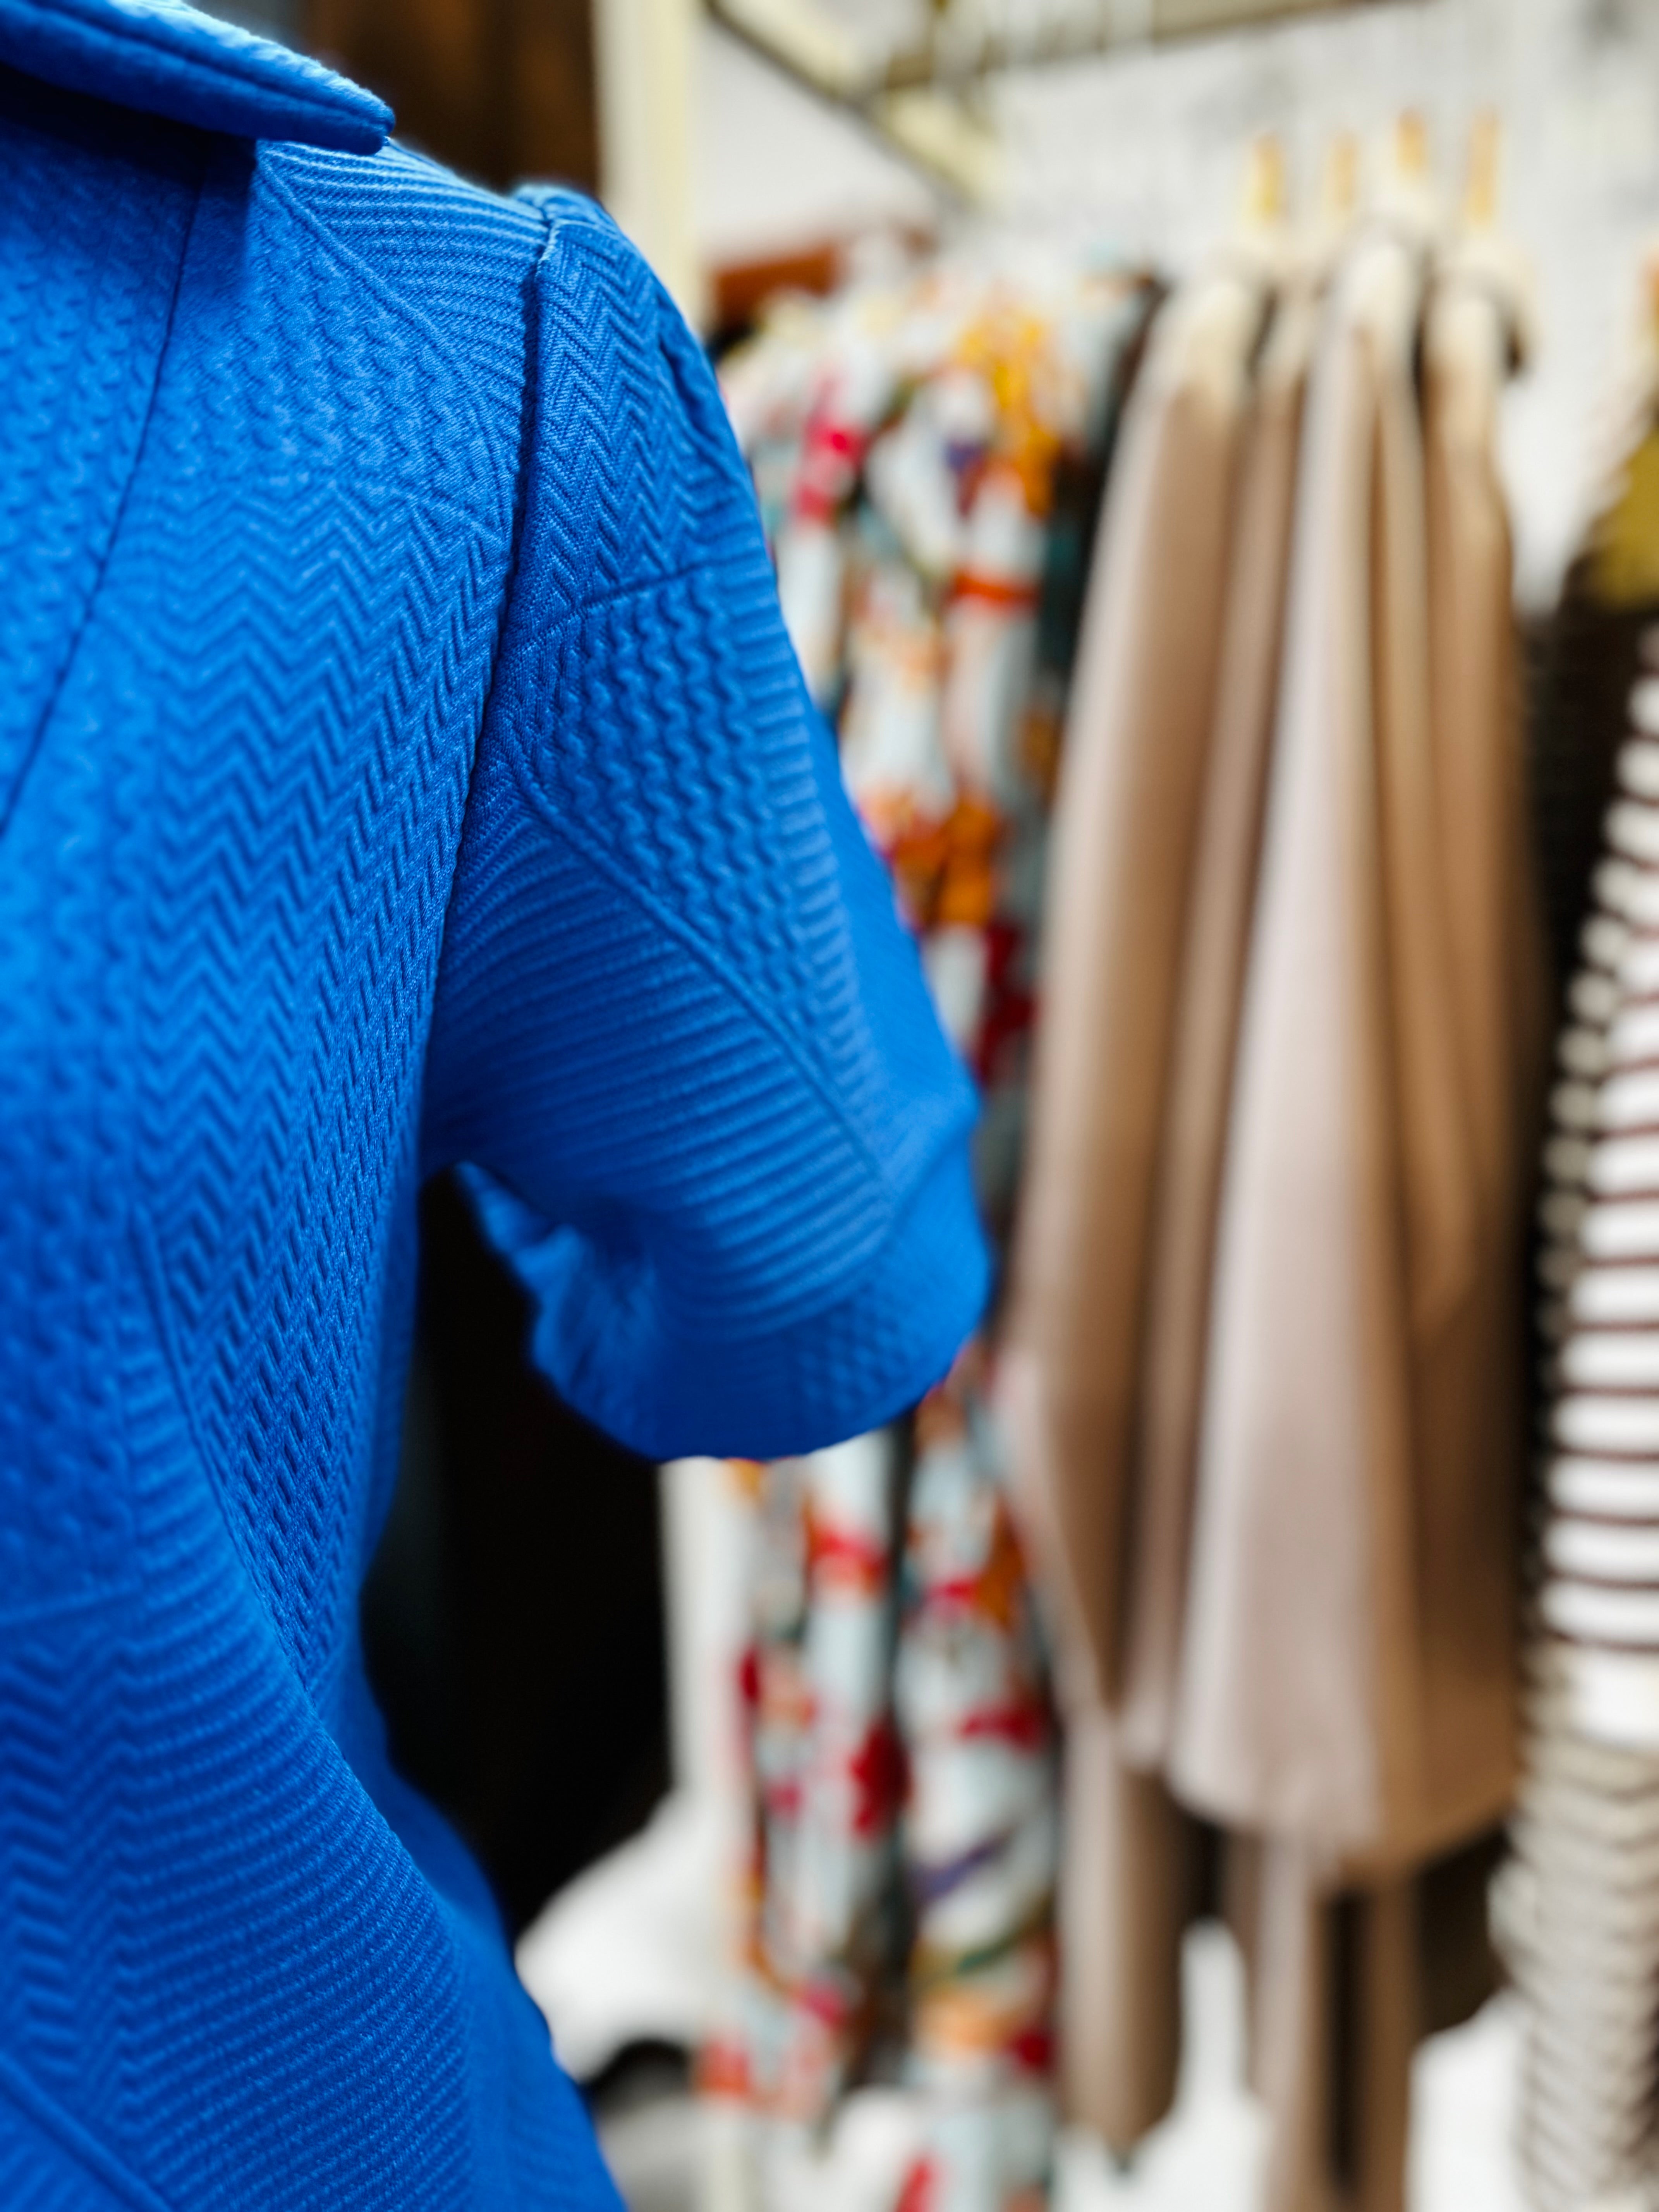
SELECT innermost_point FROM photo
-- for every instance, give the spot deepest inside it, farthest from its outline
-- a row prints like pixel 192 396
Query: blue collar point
pixel 167 59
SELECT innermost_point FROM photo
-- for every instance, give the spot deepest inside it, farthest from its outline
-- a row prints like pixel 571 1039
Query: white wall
pixel 776 168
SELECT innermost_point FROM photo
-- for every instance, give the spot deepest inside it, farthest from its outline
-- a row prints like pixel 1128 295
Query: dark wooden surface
pixel 512 1619
pixel 501 89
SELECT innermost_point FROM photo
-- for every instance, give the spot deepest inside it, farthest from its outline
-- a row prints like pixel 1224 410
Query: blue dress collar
pixel 168 59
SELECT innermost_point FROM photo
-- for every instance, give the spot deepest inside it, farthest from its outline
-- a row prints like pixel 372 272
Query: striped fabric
pixel 1581 1904
pixel 1599 1597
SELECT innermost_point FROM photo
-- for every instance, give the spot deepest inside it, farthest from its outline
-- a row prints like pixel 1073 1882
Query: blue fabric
pixel 164 58
pixel 401 762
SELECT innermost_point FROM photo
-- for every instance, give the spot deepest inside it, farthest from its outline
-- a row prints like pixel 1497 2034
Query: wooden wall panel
pixel 501 89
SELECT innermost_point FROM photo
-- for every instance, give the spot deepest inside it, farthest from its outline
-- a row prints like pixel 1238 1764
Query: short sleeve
pixel 681 1038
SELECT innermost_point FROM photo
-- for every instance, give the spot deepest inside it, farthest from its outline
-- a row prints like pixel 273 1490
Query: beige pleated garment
pixel 1348 1677
pixel 1305 1624
pixel 1472 1391
pixel 1132 770
pixel 1295 1696
pixel 1128 1879
pixel 1348 1666
pixel 1133 779
pixel 1209 989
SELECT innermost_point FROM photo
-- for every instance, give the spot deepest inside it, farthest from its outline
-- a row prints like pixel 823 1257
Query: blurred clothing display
pixel 1577 1904
pixel 1264 1373
pixel 1208 991
pixel 403 763
pixel 1348 1669
pixel 927 451
pixel 1141 806
pixel 1126 820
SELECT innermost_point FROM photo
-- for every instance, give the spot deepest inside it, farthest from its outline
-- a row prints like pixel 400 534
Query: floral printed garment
pixel 929 453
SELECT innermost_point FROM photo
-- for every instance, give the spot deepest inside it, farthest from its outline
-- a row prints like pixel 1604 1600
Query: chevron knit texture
pixel 402 762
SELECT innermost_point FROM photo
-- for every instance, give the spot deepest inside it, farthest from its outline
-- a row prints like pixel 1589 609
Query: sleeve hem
pixel 864 1358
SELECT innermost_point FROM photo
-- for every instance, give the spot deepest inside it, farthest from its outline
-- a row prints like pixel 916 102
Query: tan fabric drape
pixel 1473 1399
pixel 1133 778
pixel 1209 989
pixel 1126 1896
pixel 1348 1672
pixel 1297 1693
pixel 1132 772
pixel 1264 1373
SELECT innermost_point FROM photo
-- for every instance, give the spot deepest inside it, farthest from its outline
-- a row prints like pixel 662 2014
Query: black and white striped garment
pixel 1580 1908
pixel 1599 1594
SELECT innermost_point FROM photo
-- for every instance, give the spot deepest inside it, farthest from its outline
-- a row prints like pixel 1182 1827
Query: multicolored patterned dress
pixel 929 453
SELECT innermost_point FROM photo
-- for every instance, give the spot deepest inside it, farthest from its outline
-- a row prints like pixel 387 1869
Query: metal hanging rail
pixel 920 97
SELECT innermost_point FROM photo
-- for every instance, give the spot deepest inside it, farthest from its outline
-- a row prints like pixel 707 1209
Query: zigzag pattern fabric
pixel 402 762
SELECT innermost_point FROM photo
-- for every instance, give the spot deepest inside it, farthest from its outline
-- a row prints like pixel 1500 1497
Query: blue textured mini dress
pixel 402 763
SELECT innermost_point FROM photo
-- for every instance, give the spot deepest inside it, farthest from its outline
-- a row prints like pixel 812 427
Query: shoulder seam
pixel 520 502
pixel 393 300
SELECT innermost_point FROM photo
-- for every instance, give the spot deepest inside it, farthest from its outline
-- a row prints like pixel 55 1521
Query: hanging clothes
pixel 1208 995
pixel 1291 1718
pixel 1126 816
pixel 1132 778
pixel 1347 1689
pixel 1280 1559
pixel 926 455
pixel 825 1770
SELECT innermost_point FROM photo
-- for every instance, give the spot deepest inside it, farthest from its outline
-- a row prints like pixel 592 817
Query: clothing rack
pixel 921 95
